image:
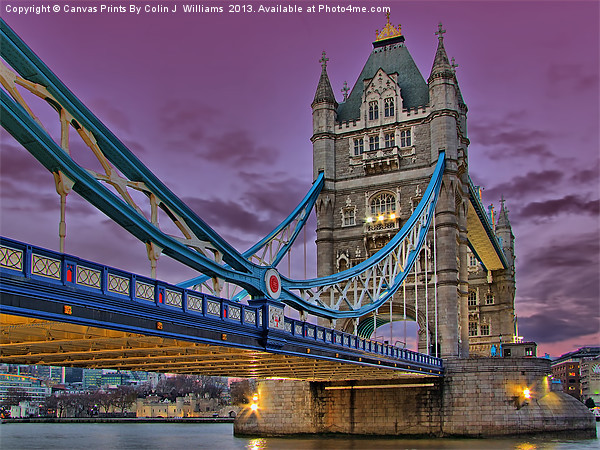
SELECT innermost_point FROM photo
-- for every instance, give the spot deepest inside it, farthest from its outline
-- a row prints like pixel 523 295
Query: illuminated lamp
pixel 392 216
pixel 369 219
pixel 526 393
pixel 380 217
pixel 254 407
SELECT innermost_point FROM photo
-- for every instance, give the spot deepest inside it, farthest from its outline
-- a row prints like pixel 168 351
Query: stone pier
pixel 478 397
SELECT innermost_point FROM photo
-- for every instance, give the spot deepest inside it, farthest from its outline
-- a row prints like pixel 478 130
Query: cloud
pixel 587 176
pixel 237 147
pixel 110 115
pixel 570 204
pixel 523 185
pixel 561 268
pixel 573 77
pixel 559 289
pixel 276 197
pixel 187 119
pixel 229 215
pixel 558 325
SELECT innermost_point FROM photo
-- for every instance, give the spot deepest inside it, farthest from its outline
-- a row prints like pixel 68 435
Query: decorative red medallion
pixel 274 283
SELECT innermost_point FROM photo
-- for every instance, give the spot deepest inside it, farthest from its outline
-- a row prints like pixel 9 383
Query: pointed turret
pixel 504 232
pixel 443 96
pixel 324 108
pixel 324 92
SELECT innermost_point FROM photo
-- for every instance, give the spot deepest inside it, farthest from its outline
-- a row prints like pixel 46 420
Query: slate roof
pixel 393 58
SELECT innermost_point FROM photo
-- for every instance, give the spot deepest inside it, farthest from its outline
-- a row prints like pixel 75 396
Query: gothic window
pixel 388 107
pixel 489 298
pixel 390 140
pixel 348 217
pixel 359 147
pixel 485 329
pixel 405 138
pixel 383 204
pixel 373 142
pixel 472 260
pixel 472 298
pixel 472 328
pixel 373 110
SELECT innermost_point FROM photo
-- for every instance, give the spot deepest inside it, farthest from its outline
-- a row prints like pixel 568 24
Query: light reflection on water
pixel 107 436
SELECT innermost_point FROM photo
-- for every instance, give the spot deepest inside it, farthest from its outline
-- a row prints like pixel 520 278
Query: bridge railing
pixel 116 289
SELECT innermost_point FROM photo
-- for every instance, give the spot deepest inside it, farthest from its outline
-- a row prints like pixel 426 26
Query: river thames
pixel 108 436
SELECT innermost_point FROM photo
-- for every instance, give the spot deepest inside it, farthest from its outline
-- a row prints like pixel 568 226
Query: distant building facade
pixel 13 386
pixel 187 406
pixel 590 379
pixel 579 373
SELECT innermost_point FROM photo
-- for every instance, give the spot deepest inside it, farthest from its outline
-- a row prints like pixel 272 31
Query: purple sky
pixel 218 107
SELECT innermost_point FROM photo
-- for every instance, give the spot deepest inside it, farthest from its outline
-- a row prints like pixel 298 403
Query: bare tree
pixel 104 400
pixel 124 397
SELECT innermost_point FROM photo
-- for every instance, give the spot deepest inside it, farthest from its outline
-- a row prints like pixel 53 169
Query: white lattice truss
pixel 377 282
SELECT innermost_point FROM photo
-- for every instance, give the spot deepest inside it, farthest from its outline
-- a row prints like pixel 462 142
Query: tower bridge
pixel 401 235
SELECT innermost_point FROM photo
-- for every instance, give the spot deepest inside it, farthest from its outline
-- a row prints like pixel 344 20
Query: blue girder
pixel 301 212
pixel 235 267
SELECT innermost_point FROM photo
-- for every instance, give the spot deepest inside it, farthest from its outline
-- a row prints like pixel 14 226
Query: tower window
pixel 405 138
pixel 489 298
pixel 359 147
pixel 390 140
pixel 472 298
pixel 472 328
pixel 348 217
pixel 383 204
pixel 388 107
pixel 485 330
pixel 373 142
pixel 373 110
pixel 472 260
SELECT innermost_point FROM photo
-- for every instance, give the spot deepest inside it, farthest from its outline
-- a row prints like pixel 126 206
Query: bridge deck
pixel 60 310
pixel 34 341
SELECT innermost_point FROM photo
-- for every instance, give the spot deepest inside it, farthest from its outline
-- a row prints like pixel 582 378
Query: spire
pixel 441 64
pixel 345 90
pixel 503 221
pixel 324 92
pixel 459 96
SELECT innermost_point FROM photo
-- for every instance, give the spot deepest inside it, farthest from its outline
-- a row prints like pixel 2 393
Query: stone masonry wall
pixel 478 397
pixel 484 396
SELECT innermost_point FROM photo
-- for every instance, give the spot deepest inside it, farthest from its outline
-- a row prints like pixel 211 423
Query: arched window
pixel 383 204
pixel 373 110
pixel 389 107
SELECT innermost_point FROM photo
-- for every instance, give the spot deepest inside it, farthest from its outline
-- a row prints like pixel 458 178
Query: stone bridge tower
pixel 378 148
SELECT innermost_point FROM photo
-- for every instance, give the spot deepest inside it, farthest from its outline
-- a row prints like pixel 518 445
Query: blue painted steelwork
pixel 487 225
pixel 300 214
pixel 230 265
pixel 419 221
pixel 29 133
pixel 37 282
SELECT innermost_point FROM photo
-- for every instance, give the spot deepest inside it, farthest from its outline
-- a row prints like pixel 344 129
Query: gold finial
pixel 389 31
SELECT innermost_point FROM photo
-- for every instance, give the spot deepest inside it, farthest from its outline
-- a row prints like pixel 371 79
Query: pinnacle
pixel 324 92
